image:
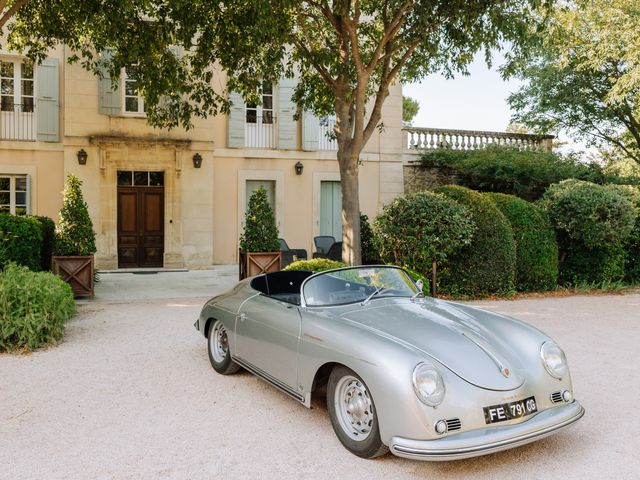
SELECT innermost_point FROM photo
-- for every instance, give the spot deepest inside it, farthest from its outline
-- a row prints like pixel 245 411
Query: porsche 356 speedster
pixel 425 378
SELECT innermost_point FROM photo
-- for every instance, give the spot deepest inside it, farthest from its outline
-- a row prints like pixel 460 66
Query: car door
pixel 267 336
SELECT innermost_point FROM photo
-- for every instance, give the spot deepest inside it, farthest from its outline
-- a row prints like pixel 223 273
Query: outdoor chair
pixel 334 253
pixel 289 255
pixel 323 243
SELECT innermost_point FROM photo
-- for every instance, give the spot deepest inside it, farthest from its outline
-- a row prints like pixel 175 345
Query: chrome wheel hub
pixel 354 408
pixel 219 342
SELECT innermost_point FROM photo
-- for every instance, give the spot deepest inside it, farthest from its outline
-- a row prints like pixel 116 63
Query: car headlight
pixel 554 360
pixel 428 384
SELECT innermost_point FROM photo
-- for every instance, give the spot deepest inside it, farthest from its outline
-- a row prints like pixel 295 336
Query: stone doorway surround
pixel 145 154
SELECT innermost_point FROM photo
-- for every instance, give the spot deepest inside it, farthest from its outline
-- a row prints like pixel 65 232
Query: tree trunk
pixel 351 251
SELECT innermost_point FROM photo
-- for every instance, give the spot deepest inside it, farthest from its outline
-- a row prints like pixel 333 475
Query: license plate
pixel 510 411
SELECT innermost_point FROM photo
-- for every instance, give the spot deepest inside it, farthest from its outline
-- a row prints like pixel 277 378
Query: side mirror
pixel 420 285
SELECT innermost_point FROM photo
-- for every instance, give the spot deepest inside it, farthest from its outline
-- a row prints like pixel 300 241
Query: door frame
pixel 318 178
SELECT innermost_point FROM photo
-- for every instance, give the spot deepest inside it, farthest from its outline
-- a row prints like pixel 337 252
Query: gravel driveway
pixel 130 394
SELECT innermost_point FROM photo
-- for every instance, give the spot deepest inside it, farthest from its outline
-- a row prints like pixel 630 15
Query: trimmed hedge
pixel 260 230
pixel 536 245
pixel 418 229
pixel 315 265
pixel 593 223
pixel 525 173
pixel 33 308
pixel 595 266
pixel 48 241
pixel 488 264
pixel 20 241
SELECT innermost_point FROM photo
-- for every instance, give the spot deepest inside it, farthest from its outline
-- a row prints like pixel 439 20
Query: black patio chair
pixel 334 253
pixel 323 243
pixel 289 255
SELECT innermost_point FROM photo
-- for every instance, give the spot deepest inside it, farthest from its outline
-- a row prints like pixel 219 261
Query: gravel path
pixel 130 394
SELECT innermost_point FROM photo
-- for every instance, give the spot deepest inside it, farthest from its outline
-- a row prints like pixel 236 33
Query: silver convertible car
pixel 425 378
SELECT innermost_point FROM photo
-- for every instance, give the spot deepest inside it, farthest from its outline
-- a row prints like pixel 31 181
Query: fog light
pixel 567 396
pixel 441 427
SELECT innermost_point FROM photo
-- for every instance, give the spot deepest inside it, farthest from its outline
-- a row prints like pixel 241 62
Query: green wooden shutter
pixel 235 121
pixel 287 126
pixel 331 209
pixel 28 181
pixel 310 131
pixel 110 99
pixel 48 101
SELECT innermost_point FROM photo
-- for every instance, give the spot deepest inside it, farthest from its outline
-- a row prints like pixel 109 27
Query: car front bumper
pixel 488 440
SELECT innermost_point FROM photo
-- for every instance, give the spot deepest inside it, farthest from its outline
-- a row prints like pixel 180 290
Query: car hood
pixel 452 337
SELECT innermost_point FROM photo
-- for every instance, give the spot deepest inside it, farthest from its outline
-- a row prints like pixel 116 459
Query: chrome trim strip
pixel 473 451
pixel 268 378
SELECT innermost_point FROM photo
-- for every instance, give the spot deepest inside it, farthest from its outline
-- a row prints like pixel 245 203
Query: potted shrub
pixel 75 241
pixel 259 246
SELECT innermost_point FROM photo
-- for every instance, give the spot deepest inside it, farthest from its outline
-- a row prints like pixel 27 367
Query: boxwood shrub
pixel 593 223
pixel 536 245
pixel 418 229
pixel 370 254
pixel 20 241
pixel 315 265
pixel 488 264
pixel 34 307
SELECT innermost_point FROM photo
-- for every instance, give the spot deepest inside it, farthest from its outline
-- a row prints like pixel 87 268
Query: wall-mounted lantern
pixel 197 160
pixel 299 167
pixel 82 156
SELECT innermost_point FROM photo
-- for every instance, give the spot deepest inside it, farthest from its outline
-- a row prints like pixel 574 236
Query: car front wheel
pixel 219 352
pixel 353 414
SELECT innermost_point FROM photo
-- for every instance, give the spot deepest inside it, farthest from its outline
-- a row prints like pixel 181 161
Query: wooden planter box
pixel 256 263
pixel 77 272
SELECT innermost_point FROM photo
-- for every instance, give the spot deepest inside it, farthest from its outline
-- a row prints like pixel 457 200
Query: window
pixel 14 198
pixel 260 119
pixel 140 179
pixel 17 86
pixel 133 101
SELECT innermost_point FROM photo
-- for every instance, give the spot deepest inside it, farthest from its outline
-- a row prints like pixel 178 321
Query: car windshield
pixel 357 284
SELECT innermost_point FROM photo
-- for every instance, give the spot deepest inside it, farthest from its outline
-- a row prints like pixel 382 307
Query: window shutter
pixel 48 101
pixel 235 121
pixel 287 126
pixel 310 131
pixel 28 180
pixel 110 101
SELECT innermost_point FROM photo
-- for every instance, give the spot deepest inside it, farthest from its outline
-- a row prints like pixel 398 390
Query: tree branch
pixel 12 11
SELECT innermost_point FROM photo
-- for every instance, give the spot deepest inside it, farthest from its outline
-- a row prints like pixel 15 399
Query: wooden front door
pixel 140 227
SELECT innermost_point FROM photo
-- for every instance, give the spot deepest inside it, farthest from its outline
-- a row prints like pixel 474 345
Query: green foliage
pixel 260 230
pixel 488 264
pixel 524 173
pixel 591 266
pixel 48 241
pixel 421 228
pixel 315 265
pixel 584 77
pixel 410 108
pixel 20 241
pixel 33 308
pixel 592 215
pixel 536 246
pixel 370 255
pixel 75 235
pixel 632 249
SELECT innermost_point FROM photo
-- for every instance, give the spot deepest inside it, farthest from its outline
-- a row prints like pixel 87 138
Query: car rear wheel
pixel 353 414
pixel 219 352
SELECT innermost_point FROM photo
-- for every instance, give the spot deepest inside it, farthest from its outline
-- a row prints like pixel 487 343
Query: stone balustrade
pixel 417 138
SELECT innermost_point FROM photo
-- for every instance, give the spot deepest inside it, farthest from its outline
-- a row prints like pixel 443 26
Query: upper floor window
pixel 14 194
pixel 260 119
pixel 17 86
pixel 133 101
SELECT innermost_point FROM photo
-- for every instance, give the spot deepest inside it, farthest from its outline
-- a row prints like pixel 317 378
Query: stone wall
pixel 418 177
